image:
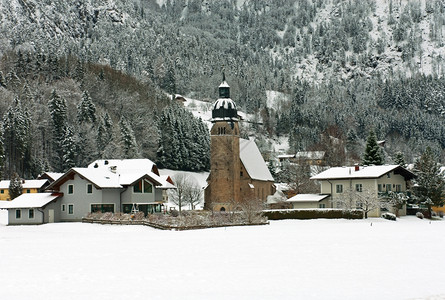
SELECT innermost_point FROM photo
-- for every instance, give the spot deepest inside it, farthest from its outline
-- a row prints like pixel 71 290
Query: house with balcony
pixel 128 186
pixel 380 180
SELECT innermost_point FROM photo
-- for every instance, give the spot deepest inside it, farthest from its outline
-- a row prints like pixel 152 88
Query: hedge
pixel 304 214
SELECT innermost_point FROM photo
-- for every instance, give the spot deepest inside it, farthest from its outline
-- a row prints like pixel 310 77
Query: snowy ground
pixel 313 259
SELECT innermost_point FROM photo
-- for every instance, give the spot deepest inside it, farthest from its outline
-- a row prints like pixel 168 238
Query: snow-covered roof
pixel 284 156
pixel 117 173
pixel 123 165
pixel 362 172
pixel 253 161
pixel 32 200
pixel 99 177
pixel 307 198
pixel 53 175
pixel 224 84
pixel 225 103
pixel 26 184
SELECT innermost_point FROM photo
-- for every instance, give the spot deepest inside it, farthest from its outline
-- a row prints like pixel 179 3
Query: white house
pixel 105 186
pixel 335 182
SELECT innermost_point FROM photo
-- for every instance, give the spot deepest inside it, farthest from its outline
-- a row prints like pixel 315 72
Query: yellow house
pixel 376 179
pixel 29 186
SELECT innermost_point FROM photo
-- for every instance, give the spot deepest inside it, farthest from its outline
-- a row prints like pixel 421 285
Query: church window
pixel 222 209
pixel 224 130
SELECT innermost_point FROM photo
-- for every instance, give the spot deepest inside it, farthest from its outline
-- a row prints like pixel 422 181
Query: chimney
pixel 356 167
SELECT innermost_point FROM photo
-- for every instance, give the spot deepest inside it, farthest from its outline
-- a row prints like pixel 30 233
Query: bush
pixel 419 215
pixel 441 214
pixel 389 216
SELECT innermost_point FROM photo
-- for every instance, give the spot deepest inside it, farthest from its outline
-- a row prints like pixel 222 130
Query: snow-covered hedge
pixel 188 219
pixel 281 214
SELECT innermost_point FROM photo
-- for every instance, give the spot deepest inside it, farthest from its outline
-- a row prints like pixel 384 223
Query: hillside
pixel 342 67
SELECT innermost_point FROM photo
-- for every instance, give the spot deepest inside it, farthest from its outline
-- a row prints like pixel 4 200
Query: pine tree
pixel 86 110
pixel 69 149
pixel 16 136
pixel 400 159
pixel 373 154
pixel 57 108
pixel 430 183
pixel 15 186
pixel 129 144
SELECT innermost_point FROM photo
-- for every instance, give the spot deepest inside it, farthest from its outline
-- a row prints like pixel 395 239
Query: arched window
pixel 222 209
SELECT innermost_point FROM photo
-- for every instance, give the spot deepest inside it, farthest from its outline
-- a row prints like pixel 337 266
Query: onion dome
pixel 224 108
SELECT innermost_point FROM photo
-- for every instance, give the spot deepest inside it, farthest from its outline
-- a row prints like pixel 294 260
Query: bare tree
pixel 252 209
pixel 366 200
pixel 187 192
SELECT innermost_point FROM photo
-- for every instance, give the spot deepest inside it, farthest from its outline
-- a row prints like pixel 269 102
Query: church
pixel 237 169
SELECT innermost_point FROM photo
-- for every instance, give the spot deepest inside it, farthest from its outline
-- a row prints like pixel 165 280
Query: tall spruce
pixel 58 111
pixel 373 154
pixel 129 144
pixel 15 186
pixel 430 183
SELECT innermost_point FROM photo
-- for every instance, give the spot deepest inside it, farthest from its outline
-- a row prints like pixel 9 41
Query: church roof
pixel 253 161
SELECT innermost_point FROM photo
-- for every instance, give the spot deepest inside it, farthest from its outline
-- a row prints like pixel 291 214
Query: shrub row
pixel 304 214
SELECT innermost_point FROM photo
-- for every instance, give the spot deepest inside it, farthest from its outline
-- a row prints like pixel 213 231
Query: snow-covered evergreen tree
pixel 400 159
pixel 129 144
pixel 58 111
pixel 373 154
pixel 86 110
pixel 15 186
pixel 430 183
pixel 16 136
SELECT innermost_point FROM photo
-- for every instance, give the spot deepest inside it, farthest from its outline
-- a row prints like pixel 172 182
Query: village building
pixel 237 169
pixel 313 158
pixel 127 186
pixel 378 180
pixel 50 176
pixel 28 186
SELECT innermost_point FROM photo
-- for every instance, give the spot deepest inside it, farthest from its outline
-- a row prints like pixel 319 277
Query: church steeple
pixel 224 88
pixel 224 108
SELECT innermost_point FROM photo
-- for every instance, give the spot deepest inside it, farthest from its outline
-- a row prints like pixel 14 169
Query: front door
pixel 51 216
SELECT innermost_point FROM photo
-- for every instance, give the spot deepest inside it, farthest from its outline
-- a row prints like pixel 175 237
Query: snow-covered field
pixel 312 259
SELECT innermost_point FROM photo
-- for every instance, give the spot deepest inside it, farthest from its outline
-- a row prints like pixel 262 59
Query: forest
pixel 99 74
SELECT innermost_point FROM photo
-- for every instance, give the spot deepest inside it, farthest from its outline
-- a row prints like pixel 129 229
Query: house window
pixel 28 191
pixel 388 175
pixel 63 207
pixel 388 188
pixel 379 186
pixel 398 188
pixel 70 189
pixel 89 188
pixel 143 186
pixel 103 208
pixel 358 187
pixel 321 205
pixel 31 213
pixel 18 214
pixel 2 191
pixel 70 209
pixel 339 188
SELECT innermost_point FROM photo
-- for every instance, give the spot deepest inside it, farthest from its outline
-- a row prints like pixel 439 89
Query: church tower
pixel 223 183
